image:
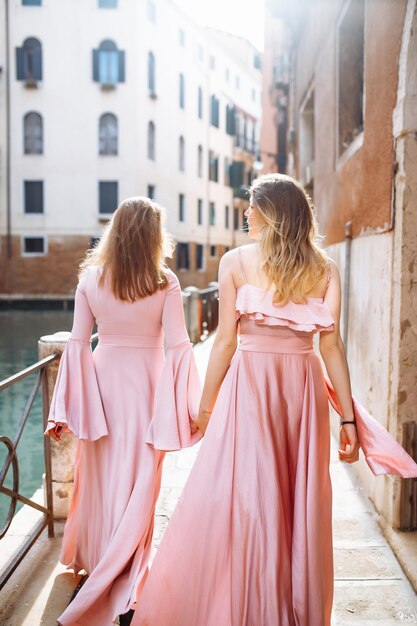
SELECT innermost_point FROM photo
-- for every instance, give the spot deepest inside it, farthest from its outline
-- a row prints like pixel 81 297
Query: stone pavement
pixel 370 587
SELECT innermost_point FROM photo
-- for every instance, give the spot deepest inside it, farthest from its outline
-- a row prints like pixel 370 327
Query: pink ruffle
pixel 177 399
pixel 313 316
pixel 383 453
pixel 76 401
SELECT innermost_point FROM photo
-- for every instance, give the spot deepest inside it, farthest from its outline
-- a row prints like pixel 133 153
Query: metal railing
pixel 11 461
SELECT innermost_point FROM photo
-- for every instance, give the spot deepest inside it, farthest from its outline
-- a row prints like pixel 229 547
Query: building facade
pixel 130 98
pixel 352 141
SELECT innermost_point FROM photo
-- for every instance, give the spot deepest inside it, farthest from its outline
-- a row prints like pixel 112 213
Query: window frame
pixel 107 182
pixel 26 254
pixel 26 184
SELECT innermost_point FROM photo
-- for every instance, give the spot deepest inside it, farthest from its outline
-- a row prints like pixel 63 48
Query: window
pixel 213 167
pixel 181 37
pixel 212 218
pixel 226 172
pixel 200 53
pixel 226 217
pixel 230 120
pixel 212 62
pixel 151 10
pixel 181 154
pixel 108 134
pixel 199 256
pixel 199 211
pixel 183 256
pixel 236 174
pixel 108 64
pixel 214 111
pixel 213 251
pixel 257 63
pixel 200 161
pixel 151 141
pixel 31 3
pixel 236 224
pixel 34 246
pixel 182 91
pixel 306 140
pixel 200 103
pixel 350 74
pixel 151 74
pixel 181 207
pixel 29 61
pixel 253 94
pixel 237 82
pixel 151 192
pixel 33 133
pixel 108 196
pixel 33 201
pixel 107 4
pixel 227 74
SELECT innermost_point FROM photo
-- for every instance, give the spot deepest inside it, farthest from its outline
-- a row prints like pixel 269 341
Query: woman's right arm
pixel 334 357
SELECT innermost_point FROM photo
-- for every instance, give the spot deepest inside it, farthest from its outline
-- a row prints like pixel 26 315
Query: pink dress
pixel 250 542
pixel 126 402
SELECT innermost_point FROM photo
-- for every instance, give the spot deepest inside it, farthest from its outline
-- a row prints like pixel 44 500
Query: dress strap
pixel 242 267
pixel 329 275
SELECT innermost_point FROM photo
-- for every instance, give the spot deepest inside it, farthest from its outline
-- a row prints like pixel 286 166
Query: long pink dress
pixel 123 401
pixel 250 542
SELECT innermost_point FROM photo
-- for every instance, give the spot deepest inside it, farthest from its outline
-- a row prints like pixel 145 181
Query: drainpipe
pixel 346 285
pixel 8 138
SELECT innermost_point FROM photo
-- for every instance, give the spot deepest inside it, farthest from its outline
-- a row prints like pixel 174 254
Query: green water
pixel 19 334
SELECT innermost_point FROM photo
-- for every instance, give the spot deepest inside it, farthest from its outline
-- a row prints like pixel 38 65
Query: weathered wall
pixel 357 189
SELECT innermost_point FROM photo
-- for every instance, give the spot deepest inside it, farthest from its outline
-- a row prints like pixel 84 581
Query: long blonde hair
pixel 291 255
pixel 132 250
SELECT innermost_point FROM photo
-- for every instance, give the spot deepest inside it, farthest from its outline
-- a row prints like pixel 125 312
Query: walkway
pixel 371 588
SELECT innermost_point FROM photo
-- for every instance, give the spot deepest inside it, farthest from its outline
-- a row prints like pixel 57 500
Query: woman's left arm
pixel 225 342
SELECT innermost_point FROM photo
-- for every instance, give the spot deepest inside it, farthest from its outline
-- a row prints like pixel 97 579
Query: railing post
pixel 194 321
pixel 59 456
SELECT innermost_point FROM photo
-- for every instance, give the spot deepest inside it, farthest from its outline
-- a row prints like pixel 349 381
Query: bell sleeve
pixel 383 453
pixel 178 390
pixel 76 402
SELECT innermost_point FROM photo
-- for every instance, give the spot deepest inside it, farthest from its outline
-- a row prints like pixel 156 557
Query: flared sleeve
pixel 178 390
pixel 76 402
pixel 383 453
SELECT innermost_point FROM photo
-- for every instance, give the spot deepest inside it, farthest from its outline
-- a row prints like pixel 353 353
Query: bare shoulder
pixel 232 258
pixel 334 270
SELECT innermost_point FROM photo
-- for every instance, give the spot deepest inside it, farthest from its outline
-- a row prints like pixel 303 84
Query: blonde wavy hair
pixel 292 258
pixel 132 250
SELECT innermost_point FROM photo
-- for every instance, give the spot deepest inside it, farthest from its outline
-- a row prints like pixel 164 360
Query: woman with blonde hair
pixel 126 403
pixel 250 542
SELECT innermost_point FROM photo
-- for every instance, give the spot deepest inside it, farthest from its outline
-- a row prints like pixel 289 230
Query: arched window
pixel 181 155
pixel 108 64
pixel 200 161
pixel 33 133
pixel 182 91
pixel 151 73
pixel 29 60
pixel 108 134
pixel 151 141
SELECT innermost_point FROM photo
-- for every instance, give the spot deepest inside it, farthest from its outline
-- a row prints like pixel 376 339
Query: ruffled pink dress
pixel 250 542
pixel 127 402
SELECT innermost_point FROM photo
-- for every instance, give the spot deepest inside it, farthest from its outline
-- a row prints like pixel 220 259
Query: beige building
pixel 351 138
pixel 130 98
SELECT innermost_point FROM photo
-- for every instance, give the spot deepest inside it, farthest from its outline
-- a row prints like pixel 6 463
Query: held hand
pixel 193 426
pixel 349 444
pixel 203 420
pixel 55 433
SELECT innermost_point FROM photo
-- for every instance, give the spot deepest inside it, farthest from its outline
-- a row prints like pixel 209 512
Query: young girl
pixel 250 543
pixel 118 400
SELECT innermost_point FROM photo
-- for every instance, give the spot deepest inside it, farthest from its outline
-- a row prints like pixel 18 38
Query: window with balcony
pixel 108 134
pixel 29 61
pixel 33 133
pixel 108 64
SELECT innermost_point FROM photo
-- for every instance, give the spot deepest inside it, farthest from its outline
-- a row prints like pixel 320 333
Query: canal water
pixel 19 334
